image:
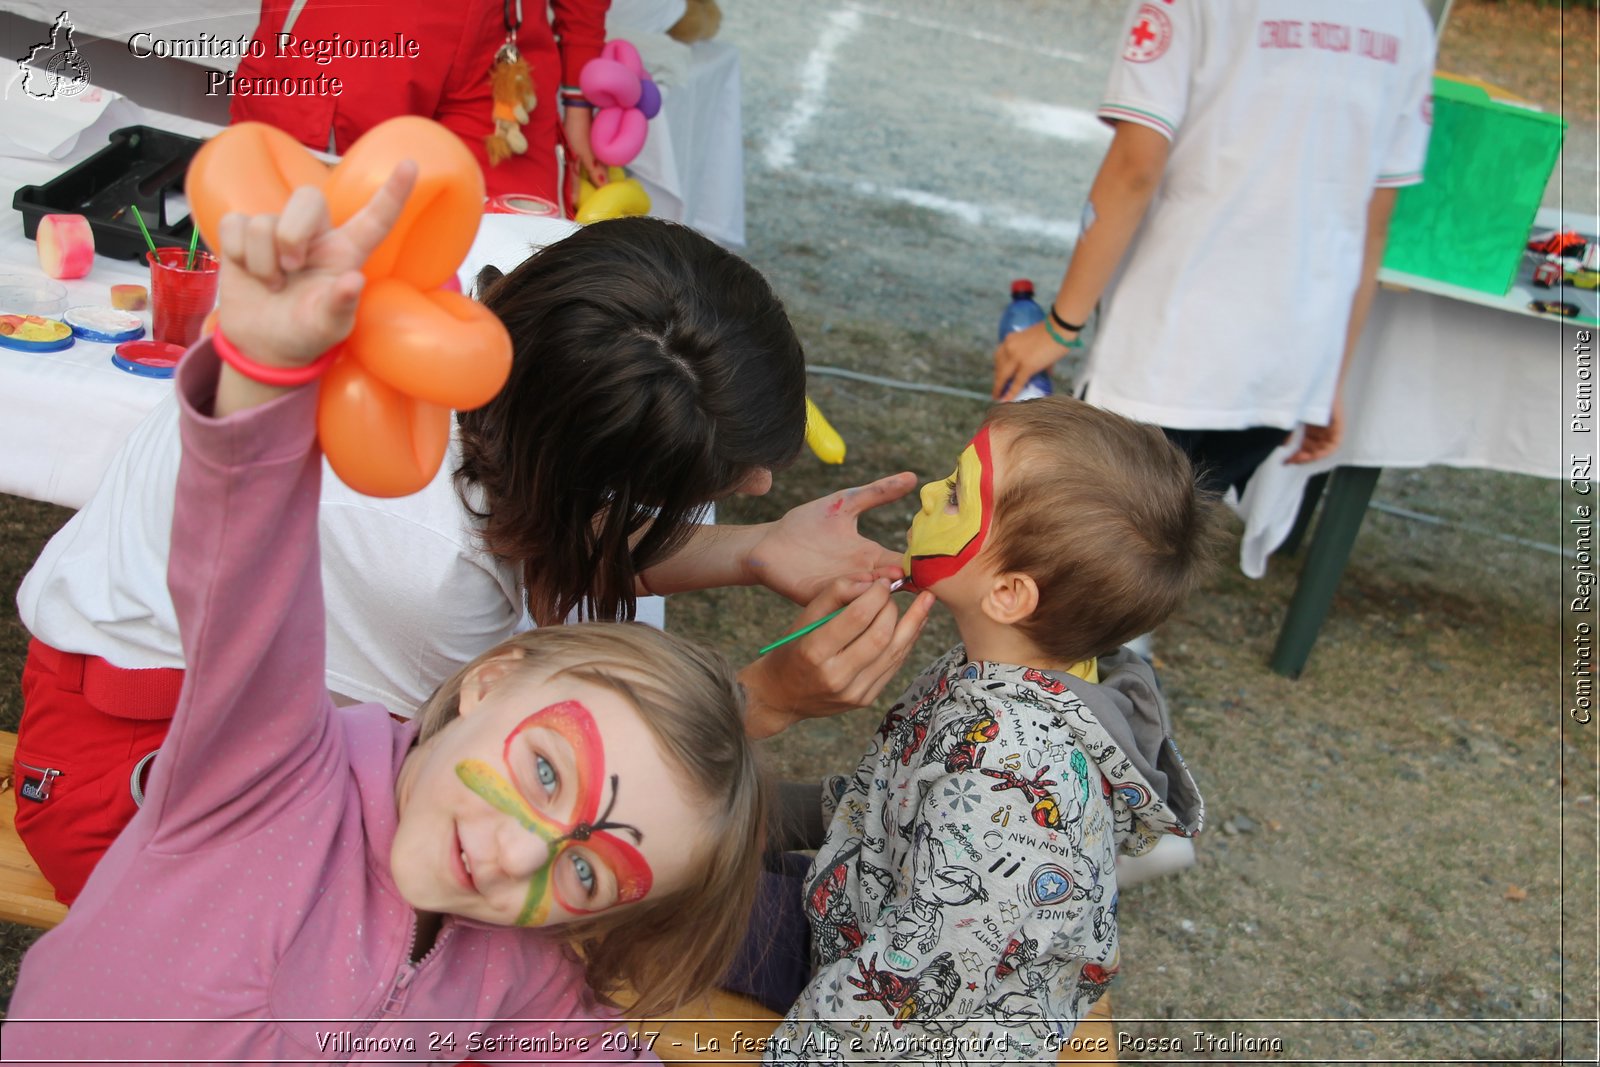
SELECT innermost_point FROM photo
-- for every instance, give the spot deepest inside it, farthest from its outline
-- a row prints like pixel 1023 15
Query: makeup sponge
pixel 130 297
pixel 66 246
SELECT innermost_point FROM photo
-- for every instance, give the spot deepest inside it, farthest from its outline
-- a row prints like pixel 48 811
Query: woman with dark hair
pixel 653 373
pixel 691 387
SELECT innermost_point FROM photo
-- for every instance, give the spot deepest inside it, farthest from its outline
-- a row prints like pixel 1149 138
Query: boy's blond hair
pixel 1103 514
pixel 665 950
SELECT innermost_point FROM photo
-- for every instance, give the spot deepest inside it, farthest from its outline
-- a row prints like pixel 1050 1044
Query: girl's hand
pixel 817 541
pixel 841 665
pixel 290 283
pixel 1022 355
pixel 1320 442
pixel 576 123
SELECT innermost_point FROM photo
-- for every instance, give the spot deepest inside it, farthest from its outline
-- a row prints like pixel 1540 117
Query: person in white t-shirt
pixel 653 373
pixel 1238 219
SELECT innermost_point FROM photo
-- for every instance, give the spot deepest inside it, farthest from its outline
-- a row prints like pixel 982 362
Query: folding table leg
pixel 1308 510
pixel 1349 491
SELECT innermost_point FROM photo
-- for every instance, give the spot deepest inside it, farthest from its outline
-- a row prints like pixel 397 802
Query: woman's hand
pixel 812 544
pixel 1022 355
pixel 840 665
pixel 290 283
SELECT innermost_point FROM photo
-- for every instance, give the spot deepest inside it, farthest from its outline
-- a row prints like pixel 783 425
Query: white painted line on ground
pixel 968 32
pixel 839 28
pixel 966 211
pixel 1063 123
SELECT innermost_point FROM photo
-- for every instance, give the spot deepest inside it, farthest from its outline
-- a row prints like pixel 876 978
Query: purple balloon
pixel 649 98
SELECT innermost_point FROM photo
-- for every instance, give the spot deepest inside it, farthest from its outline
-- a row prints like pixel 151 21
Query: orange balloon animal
pixel 416 351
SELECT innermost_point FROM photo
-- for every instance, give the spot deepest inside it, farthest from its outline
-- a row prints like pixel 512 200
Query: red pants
pixel 86 726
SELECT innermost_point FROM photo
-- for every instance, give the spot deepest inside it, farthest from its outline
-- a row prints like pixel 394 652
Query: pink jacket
pixel 248 911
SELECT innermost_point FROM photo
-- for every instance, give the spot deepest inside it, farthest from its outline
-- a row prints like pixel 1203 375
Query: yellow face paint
pixel 954 521
pixel 483 780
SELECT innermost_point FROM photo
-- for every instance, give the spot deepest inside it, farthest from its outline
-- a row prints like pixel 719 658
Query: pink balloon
pixel 617 135
pixel 623 52
pixel 607 83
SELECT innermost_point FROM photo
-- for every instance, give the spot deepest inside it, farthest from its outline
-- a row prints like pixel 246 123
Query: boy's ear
pixel 482 679
pixel 1011 598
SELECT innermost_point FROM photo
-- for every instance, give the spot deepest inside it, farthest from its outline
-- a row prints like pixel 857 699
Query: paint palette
pixel 34 333
pixel 104 324
pixel 147 359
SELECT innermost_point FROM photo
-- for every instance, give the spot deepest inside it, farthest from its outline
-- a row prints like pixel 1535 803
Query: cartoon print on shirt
pixel 1046 807
pixel 934 883
pixel 959 746
pixel 922 998
pixel 907 732
pixel 834 927
pixel 876 883
pixel 1054 686
pixel 1018 951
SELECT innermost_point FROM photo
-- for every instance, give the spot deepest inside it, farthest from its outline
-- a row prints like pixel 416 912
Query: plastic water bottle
pixel 1021 313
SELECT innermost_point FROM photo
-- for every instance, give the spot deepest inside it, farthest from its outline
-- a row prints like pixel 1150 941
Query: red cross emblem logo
pixel 1150 36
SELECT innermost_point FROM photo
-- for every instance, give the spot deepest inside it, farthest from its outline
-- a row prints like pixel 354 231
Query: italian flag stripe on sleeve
pixel 1123 113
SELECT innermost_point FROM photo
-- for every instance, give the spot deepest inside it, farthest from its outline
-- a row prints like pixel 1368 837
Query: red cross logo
pixel 1150 36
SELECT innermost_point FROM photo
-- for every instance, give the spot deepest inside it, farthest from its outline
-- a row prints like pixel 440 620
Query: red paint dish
pixel 148 359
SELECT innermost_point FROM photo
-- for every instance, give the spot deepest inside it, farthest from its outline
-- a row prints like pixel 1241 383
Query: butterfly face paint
pixel 583 844
pixel 953 524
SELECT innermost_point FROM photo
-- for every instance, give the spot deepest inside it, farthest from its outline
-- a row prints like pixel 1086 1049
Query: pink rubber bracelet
pixel 283 377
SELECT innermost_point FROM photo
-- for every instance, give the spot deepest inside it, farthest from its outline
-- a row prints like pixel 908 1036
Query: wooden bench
pixel 25 897
pixel 726 1028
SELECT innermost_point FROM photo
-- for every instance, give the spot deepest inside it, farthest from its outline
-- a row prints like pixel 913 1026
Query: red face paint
pixel 940 541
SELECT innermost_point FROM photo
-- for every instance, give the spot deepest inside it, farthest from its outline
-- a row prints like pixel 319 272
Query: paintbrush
pixel 894 587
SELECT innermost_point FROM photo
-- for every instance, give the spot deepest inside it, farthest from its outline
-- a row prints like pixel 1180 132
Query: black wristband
pixel 1063 323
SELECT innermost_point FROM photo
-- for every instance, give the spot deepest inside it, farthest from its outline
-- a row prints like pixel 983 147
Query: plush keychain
pixel 511 85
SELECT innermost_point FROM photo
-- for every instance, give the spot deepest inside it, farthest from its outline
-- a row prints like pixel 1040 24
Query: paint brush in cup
pixel 894 587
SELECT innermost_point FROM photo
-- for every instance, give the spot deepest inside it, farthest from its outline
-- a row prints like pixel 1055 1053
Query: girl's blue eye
pixel 585 873
pixel 951 500
pixel 546 773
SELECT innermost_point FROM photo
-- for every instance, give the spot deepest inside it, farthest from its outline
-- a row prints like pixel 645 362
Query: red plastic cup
pixel 180 299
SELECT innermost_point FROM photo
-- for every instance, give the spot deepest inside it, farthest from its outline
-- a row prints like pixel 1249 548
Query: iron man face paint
pixel 953 524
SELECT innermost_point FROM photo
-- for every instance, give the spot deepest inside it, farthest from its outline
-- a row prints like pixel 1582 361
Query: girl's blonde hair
pixel 653 956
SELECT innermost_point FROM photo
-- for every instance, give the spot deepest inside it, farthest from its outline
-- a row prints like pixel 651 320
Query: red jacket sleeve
pixel 580 27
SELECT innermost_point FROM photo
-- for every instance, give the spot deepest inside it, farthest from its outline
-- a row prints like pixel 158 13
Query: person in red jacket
pixel 326 72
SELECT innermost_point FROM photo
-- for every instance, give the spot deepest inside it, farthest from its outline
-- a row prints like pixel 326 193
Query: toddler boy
pixel 963 902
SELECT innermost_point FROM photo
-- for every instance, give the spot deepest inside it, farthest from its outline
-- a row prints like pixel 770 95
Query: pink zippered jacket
pixel 247 912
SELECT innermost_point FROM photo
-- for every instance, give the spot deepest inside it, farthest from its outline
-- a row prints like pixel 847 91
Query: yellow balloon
pixel 620 197
pixel 822 437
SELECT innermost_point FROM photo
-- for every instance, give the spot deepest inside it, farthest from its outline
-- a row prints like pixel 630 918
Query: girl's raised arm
pixel 254 733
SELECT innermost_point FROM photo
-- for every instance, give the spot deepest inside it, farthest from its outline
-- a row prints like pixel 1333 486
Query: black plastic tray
pixel 138 166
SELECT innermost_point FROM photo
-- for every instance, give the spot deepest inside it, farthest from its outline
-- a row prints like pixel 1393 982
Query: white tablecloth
pixel 1446 377
pixel 692 163
pixel 64 414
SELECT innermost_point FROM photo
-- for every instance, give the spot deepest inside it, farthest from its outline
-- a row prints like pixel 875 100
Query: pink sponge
pixel 66 246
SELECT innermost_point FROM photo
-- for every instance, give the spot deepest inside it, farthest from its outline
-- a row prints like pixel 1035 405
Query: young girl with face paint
pixel 965 888
pixel 309 882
